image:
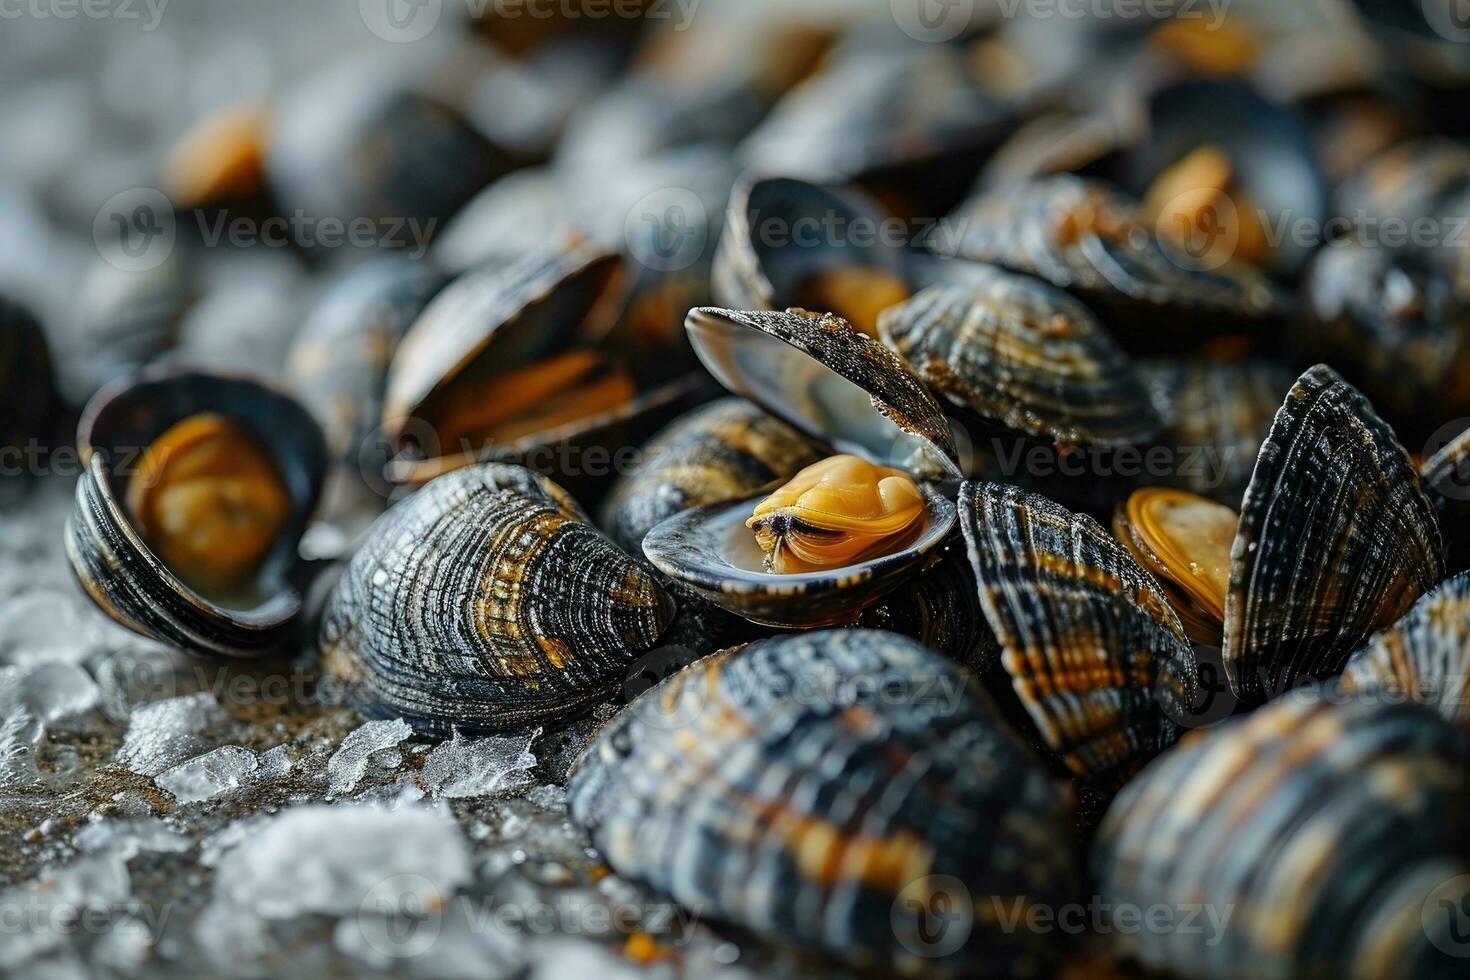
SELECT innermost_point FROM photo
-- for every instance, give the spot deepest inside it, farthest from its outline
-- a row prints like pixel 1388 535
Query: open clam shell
pixel 1424 657
pixel 487 600
pixel 726 450
pixel 1336 540
pixel 1087 238
pixel 1024 355
pixel 124 575
pixel 760 786
pixel 1310 813
pixel 1095 655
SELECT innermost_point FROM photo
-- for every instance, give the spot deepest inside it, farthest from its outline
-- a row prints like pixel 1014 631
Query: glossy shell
pixel 339 359
pixel 1151 299
pixel 124 320
pixel 813 818
pixel 1097 658
pixel 25 375
pixel 1024 355
pixel 485 601
pixel 723 451
pixel 1217 414
pixel 1424 657
pixel 1337 538
pixel 121 572
pixel 1310 814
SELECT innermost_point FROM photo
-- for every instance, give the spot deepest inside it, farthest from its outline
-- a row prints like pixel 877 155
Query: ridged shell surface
pixel 484 601
pixel 761 786
pixel 1094 653
pixel 1337 538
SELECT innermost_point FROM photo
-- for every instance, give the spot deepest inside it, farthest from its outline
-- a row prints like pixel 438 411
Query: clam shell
pixel 1095 655
pixel 724 451
pixel 1217 414
pixel 485 601
pixel 1313 812
pixel 119 570
pixel 1424 657
pixel 1140 291
pixel 1022 354
pixel 940 607
pixel 1406 182
pixel 1337 538
pixel 761 786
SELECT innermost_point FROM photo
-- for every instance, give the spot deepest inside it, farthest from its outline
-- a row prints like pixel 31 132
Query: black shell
pixel 1337 538
pixel 122 574
pixel 763 787
pixel 1307 837
pixel 124 320
pixel 724 451
pixel 1017 352
pixel 1094 653
pixel 940 607
pixel 1217 414
pixel 25 377
pixel 485 601
pixel 1152 301
pixel 1424 657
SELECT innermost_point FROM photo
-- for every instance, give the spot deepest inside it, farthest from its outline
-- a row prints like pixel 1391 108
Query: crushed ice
pixel 465 767
pixel 347 767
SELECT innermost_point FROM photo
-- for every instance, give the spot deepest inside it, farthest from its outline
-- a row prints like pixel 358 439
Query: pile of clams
pixel 952 542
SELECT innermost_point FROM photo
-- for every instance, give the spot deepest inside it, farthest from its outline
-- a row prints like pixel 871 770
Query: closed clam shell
pixel 121 571
pixel 724 451
pixel 1304 832
pixel 1216 414
pixel 1085 237
pixel 1424 657
pixel 1091 648
pixel 764 787
pixel 1024 355
pixel 1336 540
pixel 487 600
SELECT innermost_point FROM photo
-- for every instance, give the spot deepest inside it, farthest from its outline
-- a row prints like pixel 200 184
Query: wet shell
pixel 1217 414
pixel 485 601
pixel 828 819
pixel 122 573
pixel 1082 236
pixel 1097 658
pixel 1424 657
pixel 1022 354
pixel 25 375
pixel 724 451
pixel 1337 538
pixel 1312 833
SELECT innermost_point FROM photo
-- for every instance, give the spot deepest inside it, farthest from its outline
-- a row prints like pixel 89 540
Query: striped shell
pixel 484 601
pixel 1424 657
pixel 1217 414
pixel 1305 840
pixel 724 451
pixel 1022 354
pixel 123 575
pixel 1094 653
pixel 1337 538
pixel 762 786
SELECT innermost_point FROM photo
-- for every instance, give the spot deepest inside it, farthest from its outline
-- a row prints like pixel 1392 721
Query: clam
pixel 1216 415
pixel 1323 825
pixel 220 160
pixel 1087 238
pixel 940 607
pixel 763 786
pixel 509 364
pixel 1091 648
pixel 1405 183
pixel 487 600
pixel 835 384
pixel 725 450
pixel 25 374
pixel 196 492
pixel 1424 657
